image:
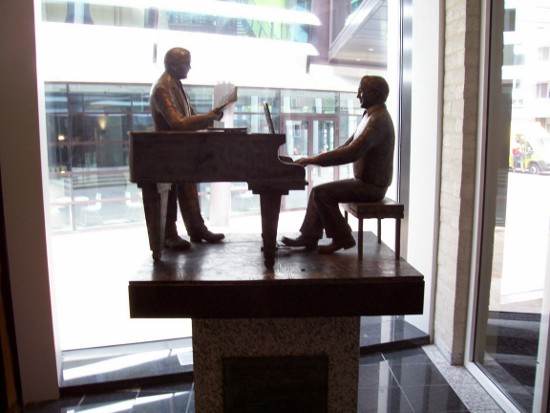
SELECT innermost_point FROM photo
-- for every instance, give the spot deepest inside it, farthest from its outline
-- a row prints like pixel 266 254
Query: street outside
pixel 525 238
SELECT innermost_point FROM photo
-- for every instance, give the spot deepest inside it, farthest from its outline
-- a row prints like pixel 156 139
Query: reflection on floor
pixel 396 374
pixel 129 362
pixel 388 332
pixel 406 380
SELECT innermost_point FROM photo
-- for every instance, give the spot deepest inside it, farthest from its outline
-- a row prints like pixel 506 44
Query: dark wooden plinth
pixel 229 280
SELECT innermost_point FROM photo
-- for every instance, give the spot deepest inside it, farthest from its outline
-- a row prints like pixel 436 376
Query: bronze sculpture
pixel 370 149
pixel 172 111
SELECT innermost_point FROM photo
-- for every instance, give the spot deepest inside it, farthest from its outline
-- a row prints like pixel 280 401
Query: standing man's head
pixel 177 62
pixel 372 90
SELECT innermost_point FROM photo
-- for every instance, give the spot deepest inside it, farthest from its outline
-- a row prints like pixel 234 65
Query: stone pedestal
pixel 217 341
pixel 290 333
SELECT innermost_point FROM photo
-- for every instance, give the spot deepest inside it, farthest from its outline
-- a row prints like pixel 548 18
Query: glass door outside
pixel 322 141
pixel 309 137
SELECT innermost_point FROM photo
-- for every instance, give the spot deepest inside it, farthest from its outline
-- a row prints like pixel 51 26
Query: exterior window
pixel 542 90
pixel 544 53
pixel 512 303
pixel 513 55
pixel 510 20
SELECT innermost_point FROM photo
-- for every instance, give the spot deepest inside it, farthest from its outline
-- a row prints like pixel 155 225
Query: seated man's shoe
pixel 176 243
pixel 208 236
pixel 336 245
pixel 309 243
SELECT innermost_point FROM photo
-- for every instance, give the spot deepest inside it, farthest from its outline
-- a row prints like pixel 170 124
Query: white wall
pixel 21 165
pixel 126 55
pixel 426 78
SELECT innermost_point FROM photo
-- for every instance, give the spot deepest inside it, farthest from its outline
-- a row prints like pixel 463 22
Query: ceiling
pixel 363 41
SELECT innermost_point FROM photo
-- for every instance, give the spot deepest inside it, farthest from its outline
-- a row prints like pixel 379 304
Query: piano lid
pixel 231 156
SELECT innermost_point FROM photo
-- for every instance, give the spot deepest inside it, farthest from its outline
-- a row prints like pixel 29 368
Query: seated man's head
pixel 372 90
pixel 177 62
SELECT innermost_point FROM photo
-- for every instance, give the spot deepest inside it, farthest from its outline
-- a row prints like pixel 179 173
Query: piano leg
pixel 270 204
pixel 155 203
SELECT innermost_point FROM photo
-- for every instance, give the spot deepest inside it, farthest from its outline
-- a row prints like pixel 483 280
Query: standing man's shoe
pixel 336 245
pixel 208 236
pixel 309 243
pixel 177 243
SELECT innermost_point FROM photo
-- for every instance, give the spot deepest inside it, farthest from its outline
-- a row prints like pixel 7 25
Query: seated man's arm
pixel 312 160
pixel 354 148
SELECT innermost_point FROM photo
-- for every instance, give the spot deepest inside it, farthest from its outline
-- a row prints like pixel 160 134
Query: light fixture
pixel 102 122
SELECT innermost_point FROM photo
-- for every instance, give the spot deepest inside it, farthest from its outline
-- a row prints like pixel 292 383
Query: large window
pixel 87 134
pixel 98 62
pixel 513 303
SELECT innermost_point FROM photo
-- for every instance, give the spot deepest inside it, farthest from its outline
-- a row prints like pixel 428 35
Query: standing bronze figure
pixel 172 111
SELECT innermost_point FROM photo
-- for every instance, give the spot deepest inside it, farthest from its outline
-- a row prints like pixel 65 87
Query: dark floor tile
pixel 64 405
pixel 191 406
pixel 149 402
pixel 405 331
pixel 433 399
pixel 371 320
pixel 120 401
pixel 174 387
pixel 383 400
pixel 376 375
pixel 374 333
pixel 390 381
pixel 371 358
pixel 417 374
pixel 170 397
pixel 407 356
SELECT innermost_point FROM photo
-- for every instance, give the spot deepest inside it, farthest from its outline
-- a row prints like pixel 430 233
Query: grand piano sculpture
pixel 214 156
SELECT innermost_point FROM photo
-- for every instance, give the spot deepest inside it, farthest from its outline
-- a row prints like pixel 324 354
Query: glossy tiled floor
pixel 411 380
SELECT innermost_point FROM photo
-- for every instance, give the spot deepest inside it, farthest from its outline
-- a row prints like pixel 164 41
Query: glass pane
pixel 343 9
pixel 323 141
pixel 306 138
pixel 514 262
pixel 349 105
pixel 297 146
pixel 243 201
pixel 294 101
pixel 297 141
pixel 202 98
